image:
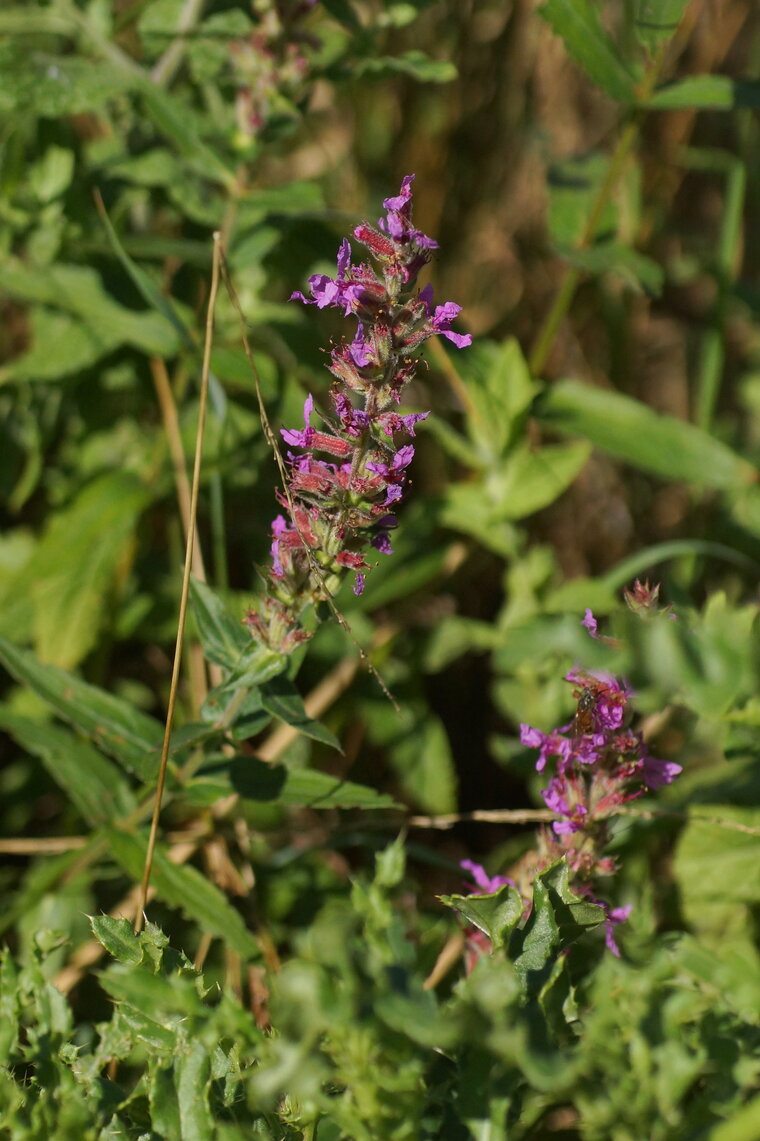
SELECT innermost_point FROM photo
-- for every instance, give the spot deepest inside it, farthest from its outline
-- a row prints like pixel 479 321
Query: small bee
pixel 583 721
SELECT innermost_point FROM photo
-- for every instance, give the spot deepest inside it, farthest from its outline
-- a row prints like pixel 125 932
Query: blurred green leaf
pixel 636 434
pixel 126 734
pixel 73 569
pixel 702 92
pixel 615 257
pixel 578 23
pixel 656 21
pixel 414 63
pixel 92 783
pixel 532 480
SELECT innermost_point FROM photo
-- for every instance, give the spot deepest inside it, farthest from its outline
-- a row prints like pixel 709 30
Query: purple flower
pixel 391 422
pixel 589 621
pixel 549 744
pixel 339 508
pixel 657 773
pixel 301 439
pixel 482 881
pixel 442 318
pixel 615 916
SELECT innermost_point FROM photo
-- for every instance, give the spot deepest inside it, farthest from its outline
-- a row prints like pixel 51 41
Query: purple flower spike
pixel 345 474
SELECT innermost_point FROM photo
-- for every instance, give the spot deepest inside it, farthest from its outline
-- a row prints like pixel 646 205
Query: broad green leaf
pixel 254 780
pixel 634 433
pixel 160 304
pixel 496 914
pixel 78 290
pixel 77 348
pixel 222 636
pixel 73 569
pixel 182 886
pixel 578 23
pixel 117 937
pixel 574 186
pixel 532 480
pixel 500 391
pixel 701 92
pixel 281 698
pixel 424 764
pixel 557 919
pixel 656 21
pixel 176 122
pixel 56 86
pixel 717 858
pixel 129 736
pixel 93 783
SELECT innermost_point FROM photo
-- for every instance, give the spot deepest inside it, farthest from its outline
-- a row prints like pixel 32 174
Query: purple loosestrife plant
pixel 594 764
pixel 597 763
pixel 347 475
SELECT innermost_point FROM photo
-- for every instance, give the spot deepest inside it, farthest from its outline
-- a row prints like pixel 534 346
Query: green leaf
pixel 496 914
pixel 129 736
pixel 636 434
pixel 118 938
pixel 281 698
pixel 193 1077
pixel 93 784
pixel 717 858
pixel 254 780
pixel 78 291
pixel 743 1125
pixel 702 92
pixel 579 25
pixel 175 121
pixel 73 569
pixel 182 886
pixel 614 257
pixel 223 637
pixel 656 21
pixel 557 919
pixel 147 287
pixel 533 479
pixel 55 86
pixel 425 766
pixel 500 391
pixel 414 63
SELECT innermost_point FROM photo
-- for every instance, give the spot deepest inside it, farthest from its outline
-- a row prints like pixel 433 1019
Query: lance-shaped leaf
pixel 222 636
pixel 495 914
pixel 281 698
pixel 92 783
pixel 579 25
pixel 126 734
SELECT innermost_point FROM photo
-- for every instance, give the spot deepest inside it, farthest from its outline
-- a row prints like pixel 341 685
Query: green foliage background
pixel 590 172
